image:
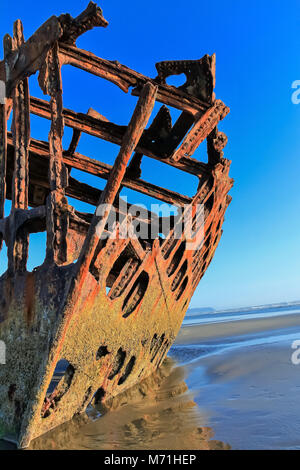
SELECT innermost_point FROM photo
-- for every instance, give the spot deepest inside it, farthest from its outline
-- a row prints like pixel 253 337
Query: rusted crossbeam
pixel 130 140
pixel 24 217
pixel 77 134
pixel 124 77
pixel 94 167
pixel 114 133
pixel 201 130
pixel 89 195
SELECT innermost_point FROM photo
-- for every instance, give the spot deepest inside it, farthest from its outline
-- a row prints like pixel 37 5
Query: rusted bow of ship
pixel 103 309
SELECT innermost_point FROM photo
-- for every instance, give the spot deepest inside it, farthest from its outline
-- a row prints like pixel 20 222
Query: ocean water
pixel 228 383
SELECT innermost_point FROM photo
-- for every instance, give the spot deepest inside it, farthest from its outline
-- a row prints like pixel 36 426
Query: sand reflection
pixel 159 413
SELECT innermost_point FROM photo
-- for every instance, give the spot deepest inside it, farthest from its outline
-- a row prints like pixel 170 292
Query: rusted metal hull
pixel 63 310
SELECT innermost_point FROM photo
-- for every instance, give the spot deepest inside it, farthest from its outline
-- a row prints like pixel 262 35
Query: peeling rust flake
pixel 101 312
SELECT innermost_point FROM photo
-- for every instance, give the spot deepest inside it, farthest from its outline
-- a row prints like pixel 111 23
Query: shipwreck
pixel 109 308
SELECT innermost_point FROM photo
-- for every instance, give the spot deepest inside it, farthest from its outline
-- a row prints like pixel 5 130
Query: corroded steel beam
pixel 77 134
pixel 125 78
pixel 95 167
pixel 21 133
pixel 201 130
pixel 114 133
pixel 57 214
pixel 40 188
pixel 130 140
pixel 216 141
pixel 18 248
pixel 3 160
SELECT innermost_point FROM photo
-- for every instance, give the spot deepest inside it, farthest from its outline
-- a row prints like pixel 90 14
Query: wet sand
pixel 242 375
pixel 160 413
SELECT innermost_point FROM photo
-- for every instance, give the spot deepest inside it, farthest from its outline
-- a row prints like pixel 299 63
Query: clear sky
pixel 257 51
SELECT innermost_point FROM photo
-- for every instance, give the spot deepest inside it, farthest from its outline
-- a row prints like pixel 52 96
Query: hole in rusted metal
pixel 59 385
pixel 136 294
pixel 176 259
pixel 176 80
pixel 153 342
pixel 99 395
pixel 127 264
pixel 156 345
pixel 102 352
pixel 128 370
pixel 118 363
pixel 179 276
pixel 86 398
pixel 207 241
pixel 205 255
pixel 182 288
pixel 163 351
pixel 209 204
pixel 169 248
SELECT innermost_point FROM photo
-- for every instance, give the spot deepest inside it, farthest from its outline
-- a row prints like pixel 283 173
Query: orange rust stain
pixel 29 298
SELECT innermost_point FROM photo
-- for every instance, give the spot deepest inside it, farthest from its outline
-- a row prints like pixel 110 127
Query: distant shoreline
pixel 210 310
pixel 211 331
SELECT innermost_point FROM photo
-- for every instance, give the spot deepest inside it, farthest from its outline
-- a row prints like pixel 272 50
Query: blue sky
pixel 257 51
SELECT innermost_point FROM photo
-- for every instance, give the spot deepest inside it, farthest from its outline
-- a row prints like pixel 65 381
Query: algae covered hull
pixel 111 294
